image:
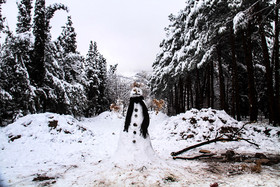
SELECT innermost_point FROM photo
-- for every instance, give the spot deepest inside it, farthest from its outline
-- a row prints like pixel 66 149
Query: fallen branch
pixel 218 139
pixel 195 146
pixel 195 157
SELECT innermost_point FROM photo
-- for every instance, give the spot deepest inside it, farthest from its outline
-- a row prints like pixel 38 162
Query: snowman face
pixel 136 92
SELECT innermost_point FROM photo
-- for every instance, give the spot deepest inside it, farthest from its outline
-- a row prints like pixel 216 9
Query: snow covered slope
pixel 58 150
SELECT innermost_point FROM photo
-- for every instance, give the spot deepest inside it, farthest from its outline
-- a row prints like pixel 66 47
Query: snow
pixel 222 29
pixel 206 57
pixel 5 94
pixel 240 21
pixel 81 153
pixel 235 3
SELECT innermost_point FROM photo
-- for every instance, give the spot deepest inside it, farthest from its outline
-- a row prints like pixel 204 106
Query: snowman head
pixel 136 92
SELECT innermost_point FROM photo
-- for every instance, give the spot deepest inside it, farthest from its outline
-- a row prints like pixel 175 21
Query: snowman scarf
pixel 146 120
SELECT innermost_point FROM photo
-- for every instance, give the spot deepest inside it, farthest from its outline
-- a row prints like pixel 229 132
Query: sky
pixel 127 32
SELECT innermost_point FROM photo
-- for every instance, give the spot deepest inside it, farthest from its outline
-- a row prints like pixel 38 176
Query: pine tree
pixel 102 101
pixel 96 73
pixel 43 68
pixel 112 84
pixel 93 82
pixel 37 66
pixel 41 31
pixel 23 36
pixel 69 58
pixel 14 81
pixel 72 76
pixel 15 57
pixel 67 39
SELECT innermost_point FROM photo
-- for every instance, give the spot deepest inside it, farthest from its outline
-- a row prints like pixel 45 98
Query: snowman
pixel 134 147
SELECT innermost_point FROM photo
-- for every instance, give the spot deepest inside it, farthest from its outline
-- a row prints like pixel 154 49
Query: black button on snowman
pixel 134 141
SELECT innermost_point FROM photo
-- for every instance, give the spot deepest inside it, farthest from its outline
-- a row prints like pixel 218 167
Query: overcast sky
pixel 127 32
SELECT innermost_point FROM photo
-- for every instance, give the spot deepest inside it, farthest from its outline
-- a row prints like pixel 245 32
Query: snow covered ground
pixel 57 150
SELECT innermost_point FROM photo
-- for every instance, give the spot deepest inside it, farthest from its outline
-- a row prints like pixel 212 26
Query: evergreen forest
pixel 222 54
pixel 42 74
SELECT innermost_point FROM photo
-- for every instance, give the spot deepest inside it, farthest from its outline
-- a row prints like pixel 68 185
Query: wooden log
pixel 194 157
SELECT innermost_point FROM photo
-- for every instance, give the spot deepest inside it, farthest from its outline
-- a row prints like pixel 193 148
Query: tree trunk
pixel 203 88
pixel 170 103
pixel 185 94
pixel 276 61
pixel 188 92
pixel 235 85
pixel 191 93
pixel 197 94
pixel 253 108
pixel 181 96
pixel 176 100
pixel 212 95
pixel 208 86
pixel 221 81
pixel 268 74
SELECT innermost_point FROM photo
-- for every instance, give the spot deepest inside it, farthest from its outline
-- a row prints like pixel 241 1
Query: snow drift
pixel 51 149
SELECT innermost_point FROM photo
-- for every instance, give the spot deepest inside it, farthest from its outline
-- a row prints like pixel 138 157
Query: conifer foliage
pixel 39 74
pixel 24 16
pixel 1 17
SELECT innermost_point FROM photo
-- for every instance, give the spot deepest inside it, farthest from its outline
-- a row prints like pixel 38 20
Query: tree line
pixel 38 74
pixel 221 54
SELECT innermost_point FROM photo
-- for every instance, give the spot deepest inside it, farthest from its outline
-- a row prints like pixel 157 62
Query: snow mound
pixel 41 140
pixel 201 125
pixel 196 126
pixel 47 127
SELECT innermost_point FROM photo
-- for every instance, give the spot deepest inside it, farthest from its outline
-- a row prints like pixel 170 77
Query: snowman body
pixel 134 145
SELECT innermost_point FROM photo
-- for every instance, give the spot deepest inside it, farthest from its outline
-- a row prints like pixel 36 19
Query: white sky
pixel 127 32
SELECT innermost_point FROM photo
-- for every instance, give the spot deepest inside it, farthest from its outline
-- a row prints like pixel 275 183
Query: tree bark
pixel 221 81
pixel 188 92
pixel 268 74
pixel 181 96
pixel 198 91
pixel 212 84
pixel 176 100
pixel 208 86
pixel 235 84
pixel 276 61
pixel 171 103
pixel 253 108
